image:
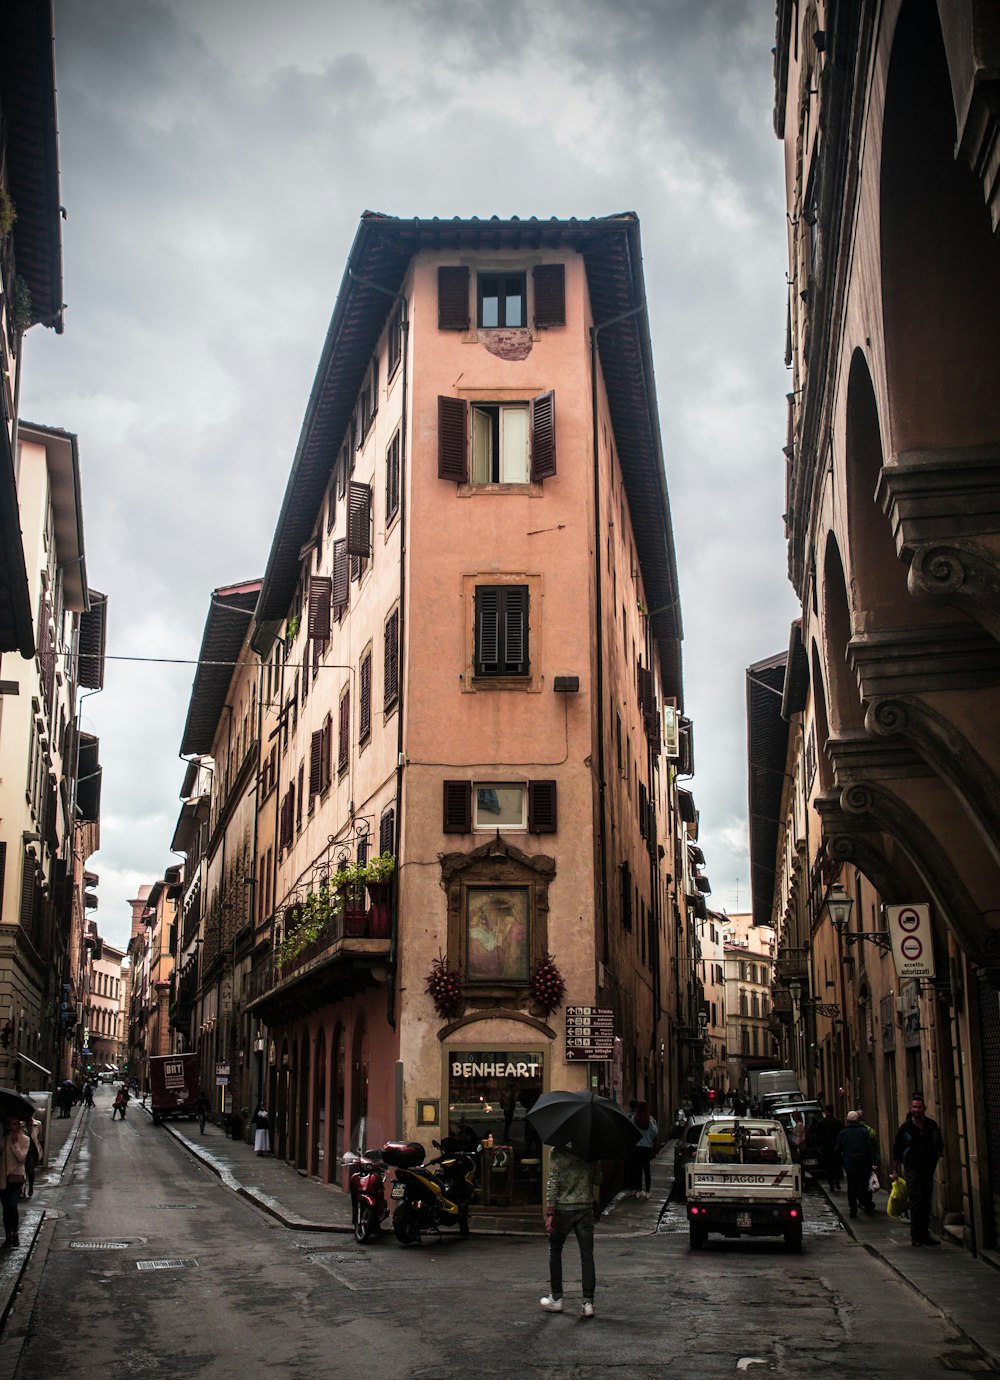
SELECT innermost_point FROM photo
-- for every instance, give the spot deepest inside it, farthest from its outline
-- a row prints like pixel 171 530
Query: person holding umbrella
pixel 572 1186
pixel 583 1129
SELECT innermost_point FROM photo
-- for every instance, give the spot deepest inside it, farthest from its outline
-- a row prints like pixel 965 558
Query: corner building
pixel 469 631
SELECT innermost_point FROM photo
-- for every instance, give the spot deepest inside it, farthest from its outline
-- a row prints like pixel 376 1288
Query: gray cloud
pixel 216 158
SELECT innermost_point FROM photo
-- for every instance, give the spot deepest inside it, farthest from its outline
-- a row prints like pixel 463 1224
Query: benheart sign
pixel 912 944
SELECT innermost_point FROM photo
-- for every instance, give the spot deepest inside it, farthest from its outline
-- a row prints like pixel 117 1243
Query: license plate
pixel 399 1190
pixel 743 1221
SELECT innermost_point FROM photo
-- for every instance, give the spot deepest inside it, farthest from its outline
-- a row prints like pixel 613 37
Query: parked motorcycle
pixel 433 1194
pixel 366 1182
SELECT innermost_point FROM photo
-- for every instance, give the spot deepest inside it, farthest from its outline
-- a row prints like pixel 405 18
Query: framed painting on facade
pixel 498 933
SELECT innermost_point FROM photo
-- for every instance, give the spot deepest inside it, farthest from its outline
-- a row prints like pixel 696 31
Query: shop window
pixel 489 1094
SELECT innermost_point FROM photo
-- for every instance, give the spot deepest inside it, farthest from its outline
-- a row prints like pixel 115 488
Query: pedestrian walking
pixel 630 1171
pixel 569 1207
pixel 88 1095
pixel 855 1152
pixel 12 1174
pixel 644 1147
pixel 828 1128
pixel 66 1095
pixel 202 1108
pixel 262 1130
pixel 917 1148
pixel 34 1155
pixel 120 1103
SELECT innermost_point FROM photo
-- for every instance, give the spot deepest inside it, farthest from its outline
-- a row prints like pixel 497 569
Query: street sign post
pixel 590 1033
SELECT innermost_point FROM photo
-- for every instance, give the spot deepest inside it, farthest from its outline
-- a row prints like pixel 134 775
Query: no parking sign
pixel 912 945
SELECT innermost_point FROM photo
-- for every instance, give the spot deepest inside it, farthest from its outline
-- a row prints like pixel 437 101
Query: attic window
pixel 501 300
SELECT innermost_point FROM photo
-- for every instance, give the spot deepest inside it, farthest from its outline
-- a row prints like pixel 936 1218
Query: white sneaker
pixel 551 1305
pixel 587 1311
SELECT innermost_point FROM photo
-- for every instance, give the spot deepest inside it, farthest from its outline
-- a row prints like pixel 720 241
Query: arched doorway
pixel 319 1111
pixel 359 1085
pixel 302 1119
pixel 338 1076
pixel 281 1103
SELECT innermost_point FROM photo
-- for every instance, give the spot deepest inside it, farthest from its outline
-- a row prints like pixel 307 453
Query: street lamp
pixel 840 905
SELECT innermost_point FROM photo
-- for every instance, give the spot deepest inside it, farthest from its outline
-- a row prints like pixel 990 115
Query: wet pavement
pixel 962 1287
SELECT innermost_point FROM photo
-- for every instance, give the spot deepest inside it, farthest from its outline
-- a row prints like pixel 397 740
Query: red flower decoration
pixel 548 986
pixel 444 988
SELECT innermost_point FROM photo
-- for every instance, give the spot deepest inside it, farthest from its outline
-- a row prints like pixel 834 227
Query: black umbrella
pixel 591 1127
pixel 15 1104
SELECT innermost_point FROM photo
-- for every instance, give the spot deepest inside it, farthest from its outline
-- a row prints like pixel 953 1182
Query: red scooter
pixel 367 1185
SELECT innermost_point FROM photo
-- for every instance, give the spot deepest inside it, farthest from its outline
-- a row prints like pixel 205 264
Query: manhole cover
pixel 186 1207
pixel 165 1264
pixel 99 1245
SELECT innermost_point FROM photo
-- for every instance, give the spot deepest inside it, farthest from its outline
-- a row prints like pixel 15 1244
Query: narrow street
pixel 147 1263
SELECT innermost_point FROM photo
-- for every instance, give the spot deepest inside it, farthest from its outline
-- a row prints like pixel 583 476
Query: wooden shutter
pixel 515 629
pixel 326 753
pixel 391 666
pixel 392 478
pixel 453 298
pixel 344 740
pixel 316 763
pixel 453 439
pixel 643 805
pixel 487 629
pixel 320 589
pixel 341 574
pixel 27 892
pixel 359 520
pixel 645 689
pixel 457 807
pixel 365 699
pixel 387 831
pixel 541 807
pixel 626 895
pixel 550 294
pixel 543 436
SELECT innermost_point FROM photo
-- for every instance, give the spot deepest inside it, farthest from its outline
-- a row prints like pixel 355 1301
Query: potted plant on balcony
pixel 312 914
pixel 378 883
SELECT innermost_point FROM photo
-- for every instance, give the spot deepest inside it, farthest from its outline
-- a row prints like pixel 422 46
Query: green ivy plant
pixel 20 304
pixel 319 907
pixel 8 215
pixel 292 627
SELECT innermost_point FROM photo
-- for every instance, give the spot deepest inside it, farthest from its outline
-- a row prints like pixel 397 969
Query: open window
pixel 502 442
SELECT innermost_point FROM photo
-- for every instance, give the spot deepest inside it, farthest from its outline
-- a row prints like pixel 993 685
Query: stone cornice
pixel 936 656
pixel 862 757
pixel 936 495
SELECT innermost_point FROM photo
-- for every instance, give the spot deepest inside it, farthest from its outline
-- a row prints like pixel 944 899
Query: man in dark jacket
pixel 916 1150
pixel 827 1131
pixel 855 1150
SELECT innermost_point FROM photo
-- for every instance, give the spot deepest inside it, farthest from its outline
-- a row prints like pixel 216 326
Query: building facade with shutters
pixel 49 771
pixel 888 115
pixel 469 640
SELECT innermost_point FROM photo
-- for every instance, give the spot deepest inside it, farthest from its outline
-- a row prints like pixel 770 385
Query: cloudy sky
pixel 216 156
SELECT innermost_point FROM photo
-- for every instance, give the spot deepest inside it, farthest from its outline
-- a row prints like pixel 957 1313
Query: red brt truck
pixel 173 1085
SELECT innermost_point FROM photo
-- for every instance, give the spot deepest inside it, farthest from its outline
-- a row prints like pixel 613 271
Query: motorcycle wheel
pixel 405 1226
pixel 364 1223
pixel 463 1224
